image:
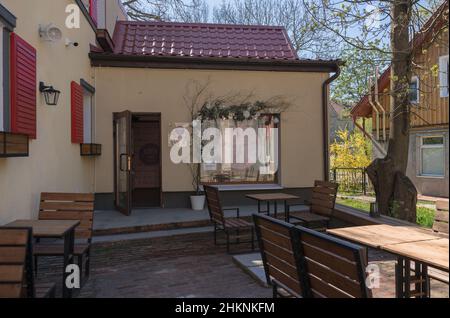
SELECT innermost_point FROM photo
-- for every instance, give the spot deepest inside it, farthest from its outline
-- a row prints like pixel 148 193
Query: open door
pixel 122 161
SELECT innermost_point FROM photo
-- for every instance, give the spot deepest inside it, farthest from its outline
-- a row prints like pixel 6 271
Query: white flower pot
pixel 198 202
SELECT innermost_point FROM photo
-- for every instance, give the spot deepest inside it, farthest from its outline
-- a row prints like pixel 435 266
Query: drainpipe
pixel 375 143
pixel 325 86
pixel 377 102
pixel 377 119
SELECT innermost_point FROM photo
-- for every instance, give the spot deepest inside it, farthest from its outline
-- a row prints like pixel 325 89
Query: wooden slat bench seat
pixel 69 206
pixel 440 223
pixel 335 268
pixel 281 257
pixel 321 206
pixel 307 263
pixel 230 226
pixel 16 266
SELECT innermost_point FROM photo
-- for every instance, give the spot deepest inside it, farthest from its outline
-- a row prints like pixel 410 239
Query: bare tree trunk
pixel 396 195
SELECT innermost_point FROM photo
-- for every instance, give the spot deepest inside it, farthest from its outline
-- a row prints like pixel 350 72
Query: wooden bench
pixel 16 266
pixel 230 226
pixel 69 206
pixel 281 257
pixel 321 206
pixel 334 268
pixel 307 263
pixel 440 224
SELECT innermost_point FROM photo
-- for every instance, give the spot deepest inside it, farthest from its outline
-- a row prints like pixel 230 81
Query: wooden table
pixel 424 254
pixel 377 236
pixel 59 229
pixel 272 197
pixel 409 244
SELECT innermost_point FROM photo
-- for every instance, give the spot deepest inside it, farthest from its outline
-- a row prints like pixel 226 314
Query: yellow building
pixel 124 86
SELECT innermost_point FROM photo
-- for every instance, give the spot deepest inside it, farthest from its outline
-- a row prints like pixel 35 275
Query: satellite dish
pixel 50 33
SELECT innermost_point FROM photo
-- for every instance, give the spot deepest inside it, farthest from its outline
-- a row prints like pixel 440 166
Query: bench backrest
pixel 440 223
pixel 281 254
pixel 214 205
pixel 16 265
pixel 323 197
pixel 69 206
pixel 335 268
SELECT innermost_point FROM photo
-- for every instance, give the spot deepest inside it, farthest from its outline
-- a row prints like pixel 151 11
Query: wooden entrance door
pixel 122 161
pixel 146 165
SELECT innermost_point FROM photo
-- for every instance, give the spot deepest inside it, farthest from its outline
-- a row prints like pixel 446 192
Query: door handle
pixel 129 163
pixel 121 162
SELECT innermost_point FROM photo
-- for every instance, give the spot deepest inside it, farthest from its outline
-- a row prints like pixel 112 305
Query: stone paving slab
pixel 182 266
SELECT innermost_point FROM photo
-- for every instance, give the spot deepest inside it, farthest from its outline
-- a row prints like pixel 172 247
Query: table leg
pixel 422 285
pixel 69 242
pixel 407 278
pixel 425 282
pixel 275 206
pixel 259 206
pixel 286 211
pixel 268 208
pixel 399 278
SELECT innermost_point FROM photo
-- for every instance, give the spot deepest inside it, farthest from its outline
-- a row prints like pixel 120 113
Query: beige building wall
pixel 155 90
pixel 54 163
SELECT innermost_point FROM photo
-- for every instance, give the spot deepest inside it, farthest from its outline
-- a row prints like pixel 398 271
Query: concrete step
pixel 150 234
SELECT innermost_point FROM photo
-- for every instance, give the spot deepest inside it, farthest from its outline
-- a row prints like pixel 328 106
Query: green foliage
pixel 425 216
pixel 352 84
pixel 351 150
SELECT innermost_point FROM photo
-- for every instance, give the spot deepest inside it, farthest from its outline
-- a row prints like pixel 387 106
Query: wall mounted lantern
pixel 51 95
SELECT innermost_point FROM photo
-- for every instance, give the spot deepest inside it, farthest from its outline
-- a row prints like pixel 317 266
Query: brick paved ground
pixel 183 266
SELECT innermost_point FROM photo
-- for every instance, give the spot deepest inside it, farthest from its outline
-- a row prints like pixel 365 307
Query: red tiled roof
pixel 202 40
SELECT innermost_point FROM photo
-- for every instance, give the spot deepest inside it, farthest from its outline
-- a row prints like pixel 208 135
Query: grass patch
pixel 425 216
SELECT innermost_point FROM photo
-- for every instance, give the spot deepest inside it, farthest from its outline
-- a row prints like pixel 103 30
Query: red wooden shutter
pixel 77 113
pixel 93 10
pixel 23 87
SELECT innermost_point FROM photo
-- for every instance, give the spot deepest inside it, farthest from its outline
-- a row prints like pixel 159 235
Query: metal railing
pixel 352 180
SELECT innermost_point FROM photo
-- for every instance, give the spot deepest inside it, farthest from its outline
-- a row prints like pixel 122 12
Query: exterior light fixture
pixel 51 95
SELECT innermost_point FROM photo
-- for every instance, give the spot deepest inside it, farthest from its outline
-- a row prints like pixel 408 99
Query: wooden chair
pixel 68 206
pixel 321 206
pixel 16 266
pixel 230 226
pixel 334 268
pixel 281 255
pixel 440 224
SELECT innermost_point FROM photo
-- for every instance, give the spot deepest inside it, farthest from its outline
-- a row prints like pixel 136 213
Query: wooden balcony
pixel 90 150
pixel 13 145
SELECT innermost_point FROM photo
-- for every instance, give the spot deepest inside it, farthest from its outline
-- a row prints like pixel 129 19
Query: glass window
pixel 414 90
pixel 432 156
pixel 88 122
pixel 244 169
pixel 443 75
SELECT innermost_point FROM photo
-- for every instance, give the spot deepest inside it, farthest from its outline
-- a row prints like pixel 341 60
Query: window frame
pixel 7 25
pixel 422 147
pixel 417 80
pixel 442 93
pixel 277 177
pixel 88 89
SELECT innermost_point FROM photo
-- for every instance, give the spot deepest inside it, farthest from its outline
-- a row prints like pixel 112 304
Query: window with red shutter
pixel 77 113
pixel 23 87
pixel 93 10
